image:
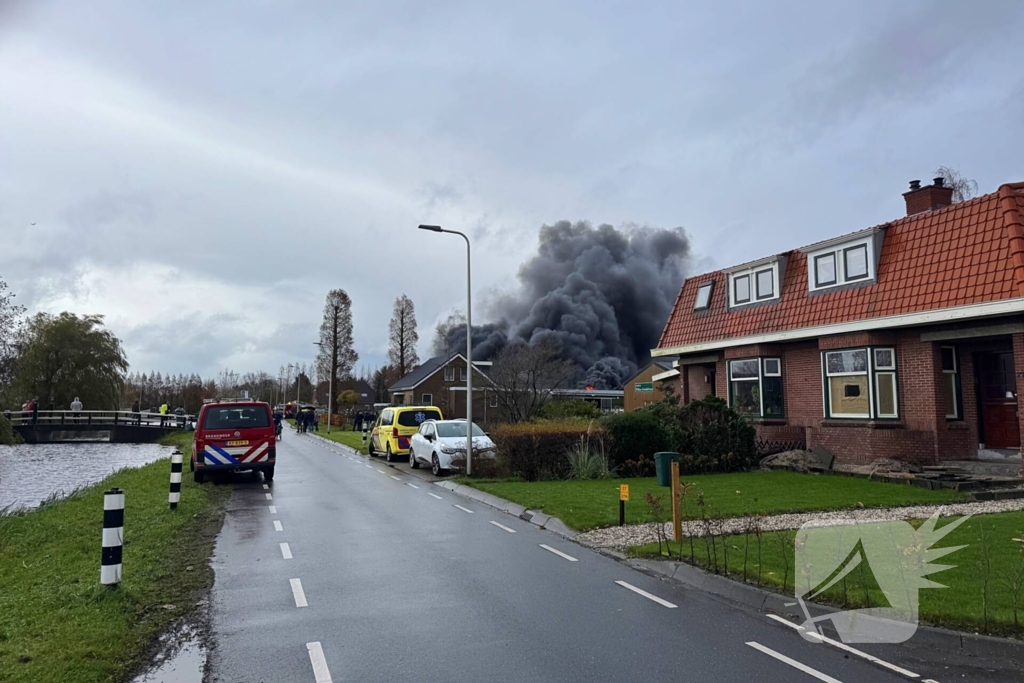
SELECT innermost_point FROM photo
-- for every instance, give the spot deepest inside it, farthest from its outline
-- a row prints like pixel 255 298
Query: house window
pixel 449 374
pixel 399 399
pixel 494 400
pixel 855 262
pixel 757 283
pixel 841 264
pixel 755 386
pixel 765 284
pixel 462 374
pixel 703 296
pixel 951 382
pixel 427 399
pixel 825 270
pixel 861 383
pixel 741 289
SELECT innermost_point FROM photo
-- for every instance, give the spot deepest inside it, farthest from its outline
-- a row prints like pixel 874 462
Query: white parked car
pixel 441 444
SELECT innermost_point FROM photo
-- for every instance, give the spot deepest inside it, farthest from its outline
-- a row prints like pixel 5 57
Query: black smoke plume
pixel 603 293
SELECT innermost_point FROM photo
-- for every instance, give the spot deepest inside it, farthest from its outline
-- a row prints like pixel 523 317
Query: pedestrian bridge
pixel 114 426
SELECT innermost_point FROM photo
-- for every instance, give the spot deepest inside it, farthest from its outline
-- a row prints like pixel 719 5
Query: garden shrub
pixel 636 435
pixel 710 436
pixel 569 408
pixel 537 450
pixel 7 434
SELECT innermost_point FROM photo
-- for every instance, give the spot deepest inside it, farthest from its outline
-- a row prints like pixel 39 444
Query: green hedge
pixel 711 436
pixel 7 434
pixel 538 450
pixel 636 435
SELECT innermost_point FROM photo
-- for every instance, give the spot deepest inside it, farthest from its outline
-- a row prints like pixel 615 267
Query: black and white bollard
pixel 364 435
pixel 175 495
pixel 113 537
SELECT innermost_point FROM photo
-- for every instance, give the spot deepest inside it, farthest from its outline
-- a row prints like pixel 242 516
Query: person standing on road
pixel 35 410
pixel 357 423
pixel 136 415
pixel 76 409
pixel 180 412
pixel 163 413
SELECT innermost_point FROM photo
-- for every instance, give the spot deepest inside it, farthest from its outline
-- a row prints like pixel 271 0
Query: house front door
pixel 1000 424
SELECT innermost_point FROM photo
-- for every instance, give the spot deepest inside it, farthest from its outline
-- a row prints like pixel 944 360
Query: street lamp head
pixel 432 228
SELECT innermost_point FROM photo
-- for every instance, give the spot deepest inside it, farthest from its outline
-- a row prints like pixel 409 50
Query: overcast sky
pixel 202 173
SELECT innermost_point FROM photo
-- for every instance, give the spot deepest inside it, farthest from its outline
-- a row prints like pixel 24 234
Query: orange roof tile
pixel 965 253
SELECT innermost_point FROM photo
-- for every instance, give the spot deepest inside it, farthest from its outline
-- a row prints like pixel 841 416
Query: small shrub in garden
pixel 588 460
pixel 636 435
pixel 711 436
pixel 537 450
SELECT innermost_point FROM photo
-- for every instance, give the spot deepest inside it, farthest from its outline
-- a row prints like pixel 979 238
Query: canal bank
pixel 57 623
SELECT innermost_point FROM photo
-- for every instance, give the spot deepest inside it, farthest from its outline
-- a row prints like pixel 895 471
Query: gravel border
pixel 620 537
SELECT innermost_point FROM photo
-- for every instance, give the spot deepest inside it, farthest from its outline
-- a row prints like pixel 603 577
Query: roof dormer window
pixel 754 284
pixel 849 260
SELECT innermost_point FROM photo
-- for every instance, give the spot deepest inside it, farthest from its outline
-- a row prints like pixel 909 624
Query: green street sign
pixel 644 386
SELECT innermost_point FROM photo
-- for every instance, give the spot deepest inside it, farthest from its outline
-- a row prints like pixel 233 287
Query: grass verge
pixel 980 594
pixel 57 623
pixel 348 438
pixel 594 503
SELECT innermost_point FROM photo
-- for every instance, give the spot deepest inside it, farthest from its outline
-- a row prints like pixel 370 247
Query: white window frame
pixel 427 399
pixel 872 372
pixel 838 252
pixel 955 372
pixel 494 401
pixel 751 275
pixel 462 374
pixel 709 287
pixel 761 374
pixel 449 374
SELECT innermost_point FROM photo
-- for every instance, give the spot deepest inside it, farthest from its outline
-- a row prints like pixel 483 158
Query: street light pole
pixel 330 393
pixel 469 344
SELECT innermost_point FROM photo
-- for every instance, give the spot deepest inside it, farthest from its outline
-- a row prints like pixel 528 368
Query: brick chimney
pixel 928 198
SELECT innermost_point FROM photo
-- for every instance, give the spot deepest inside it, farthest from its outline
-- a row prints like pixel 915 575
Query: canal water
pixel 31 473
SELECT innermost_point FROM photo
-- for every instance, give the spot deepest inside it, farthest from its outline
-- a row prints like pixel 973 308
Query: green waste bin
pixel 663 466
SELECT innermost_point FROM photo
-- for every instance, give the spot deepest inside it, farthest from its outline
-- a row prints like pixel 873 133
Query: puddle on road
pixel 182 663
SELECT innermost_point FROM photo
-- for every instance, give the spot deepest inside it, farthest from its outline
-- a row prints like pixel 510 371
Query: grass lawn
pixel 595 503
pixel 960 606
pixel 57 623
pixel 346 437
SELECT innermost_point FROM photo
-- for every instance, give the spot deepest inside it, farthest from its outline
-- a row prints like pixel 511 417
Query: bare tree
pixel 440 346
pixel 337 356
pixel 963 188
pixel 403 337
pixel 524 377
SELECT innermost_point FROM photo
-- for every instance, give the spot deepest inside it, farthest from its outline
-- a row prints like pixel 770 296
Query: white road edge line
pixel 270 496
pixel 793 663
pixel 298 593
pixel 502 526
pixel 265 486
pixel 286 551
pixel 277 526
pixel 395 478
pixel 559 553
pixel 647 595
pixel 316 657
pixel 370 466
pixel 273 509
pixel 463 509
pixel 434 495
pixel 412 485
pixel 844 647
pixel 381 471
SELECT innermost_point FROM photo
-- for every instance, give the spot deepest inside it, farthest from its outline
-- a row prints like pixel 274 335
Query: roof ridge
pixel 1014 232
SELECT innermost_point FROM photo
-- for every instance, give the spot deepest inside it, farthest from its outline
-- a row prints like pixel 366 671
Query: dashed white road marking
pixel 316 657
pixel 286 552
pixel 395 478
pixel 370 466
pixel 434 495
pixel 463 509
pixel 277 526
pixel 381 471
pixel 265 486
pixel 559 553
pixel 273 509
pixel 793 663
pixel 412 485
pixel 844 647
pixel 647 595
pixel 502 526
pixel 298 593
pixel 270 496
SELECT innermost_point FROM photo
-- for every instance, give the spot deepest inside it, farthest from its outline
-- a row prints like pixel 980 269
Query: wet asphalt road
pixel 401 585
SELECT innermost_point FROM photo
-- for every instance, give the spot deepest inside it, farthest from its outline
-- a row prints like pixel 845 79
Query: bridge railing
pixel 99 418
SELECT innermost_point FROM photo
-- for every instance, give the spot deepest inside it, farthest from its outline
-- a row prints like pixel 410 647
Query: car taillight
pixel 394 432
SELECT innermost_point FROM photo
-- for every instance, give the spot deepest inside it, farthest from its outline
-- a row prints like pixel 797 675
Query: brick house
pixel 904 340
pixel 441 381
pixel 645 387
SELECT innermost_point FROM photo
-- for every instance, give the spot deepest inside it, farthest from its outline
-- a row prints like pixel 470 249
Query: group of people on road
pixel 305 421
pixel 361 418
